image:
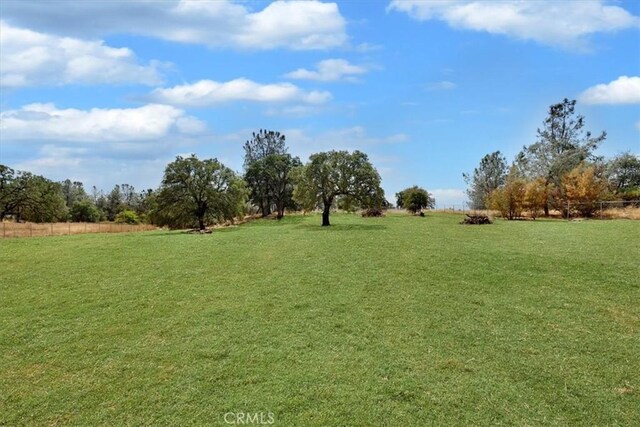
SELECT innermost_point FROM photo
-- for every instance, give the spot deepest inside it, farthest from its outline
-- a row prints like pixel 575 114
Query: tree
pixel 623 172
pixel 583 187
pixel 415 199
pixel 261 167
pixel 114 203
pixel 338 173
pixel 73 191
pixel 535 197
pixel 84 211
pixel 199 191
pixel 30 197
pixel 271 182
pixel 509 198
pixel 562 145
pixel 489 175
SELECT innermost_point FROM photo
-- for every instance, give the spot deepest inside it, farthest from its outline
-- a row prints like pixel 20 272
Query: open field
pixel 382 321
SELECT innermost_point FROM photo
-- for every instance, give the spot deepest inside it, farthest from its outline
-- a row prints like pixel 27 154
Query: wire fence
pixel 30 229
pixel 629 209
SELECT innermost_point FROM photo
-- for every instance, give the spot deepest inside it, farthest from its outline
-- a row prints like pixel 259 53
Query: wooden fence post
pixel 69 228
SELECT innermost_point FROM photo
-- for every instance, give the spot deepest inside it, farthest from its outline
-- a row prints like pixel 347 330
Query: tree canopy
pixel 199 192
pixel 331 174
pixel 562 144
pixel 415 199
pixel 268 169
pixel 489 175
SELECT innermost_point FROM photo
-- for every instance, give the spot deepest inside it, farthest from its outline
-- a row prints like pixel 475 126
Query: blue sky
pixel 109 92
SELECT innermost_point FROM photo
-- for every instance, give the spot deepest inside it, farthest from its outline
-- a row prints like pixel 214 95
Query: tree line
pixel 559 171
pixel 197 193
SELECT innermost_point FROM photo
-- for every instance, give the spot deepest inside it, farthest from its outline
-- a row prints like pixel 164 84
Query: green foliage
pixel 127 217
pixel 199 192
pixel 84 211
pixel 415 199
pixel 270 182
pixel 489 175
pixel 267 171
pixel 30 197
pixel 73 192
pixel 623 172
pixel 333 174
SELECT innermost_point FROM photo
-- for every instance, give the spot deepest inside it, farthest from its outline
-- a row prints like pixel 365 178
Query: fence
pixel 629 209
pixel 29 229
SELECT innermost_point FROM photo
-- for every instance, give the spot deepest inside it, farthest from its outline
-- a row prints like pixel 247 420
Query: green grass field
pixel 387 321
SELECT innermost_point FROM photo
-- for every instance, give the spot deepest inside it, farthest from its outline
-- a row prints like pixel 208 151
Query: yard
pixel 381 321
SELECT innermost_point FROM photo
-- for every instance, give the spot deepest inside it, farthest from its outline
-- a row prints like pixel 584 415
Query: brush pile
pixel 476 219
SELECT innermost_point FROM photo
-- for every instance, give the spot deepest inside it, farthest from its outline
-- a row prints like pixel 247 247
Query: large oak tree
pixel 333 174
pixel 199 191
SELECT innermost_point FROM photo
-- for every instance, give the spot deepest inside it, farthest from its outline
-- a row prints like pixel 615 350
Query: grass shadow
pixel 342 227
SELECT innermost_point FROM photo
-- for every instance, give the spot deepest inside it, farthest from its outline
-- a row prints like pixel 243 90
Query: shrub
pixel 583 187
pixel 84 211
pixel 127 217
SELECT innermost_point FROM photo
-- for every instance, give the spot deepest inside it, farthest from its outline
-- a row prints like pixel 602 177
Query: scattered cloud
pixel 208 93
pixel 330 70
pixel 558 22
pixel 442 85
pixel 281 24
pixel 31 58
pixel 638 125
pixel 46 122
pixel 623 90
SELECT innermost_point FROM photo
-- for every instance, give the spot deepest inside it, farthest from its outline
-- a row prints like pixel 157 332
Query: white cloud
pixel 623 90
pixel 442 85
pixel 220 23
pixel 638 125
pixel 30 58
pixel 329 70
pixel 448 197
pixel 209 92
pixel 563 23
pixel 45 122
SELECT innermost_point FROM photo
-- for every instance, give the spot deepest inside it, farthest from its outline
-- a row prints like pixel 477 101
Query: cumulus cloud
pixel 209 92
pixel 290 24
pixel 562 23
pixel 46 122
pixel 623 90
pixel 31 58
pixel 329 70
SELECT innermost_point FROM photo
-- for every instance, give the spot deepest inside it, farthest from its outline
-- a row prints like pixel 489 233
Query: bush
pixel 84 211
pixel 127 217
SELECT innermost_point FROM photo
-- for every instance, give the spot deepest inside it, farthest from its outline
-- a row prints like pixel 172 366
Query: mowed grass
pixel 387 321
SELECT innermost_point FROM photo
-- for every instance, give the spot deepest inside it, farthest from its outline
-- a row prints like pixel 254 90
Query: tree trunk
pixel 325 214
pixel 201 223
pixel 546 209
pixel 280 213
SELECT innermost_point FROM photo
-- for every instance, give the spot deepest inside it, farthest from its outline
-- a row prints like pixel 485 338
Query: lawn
pixel 383 321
